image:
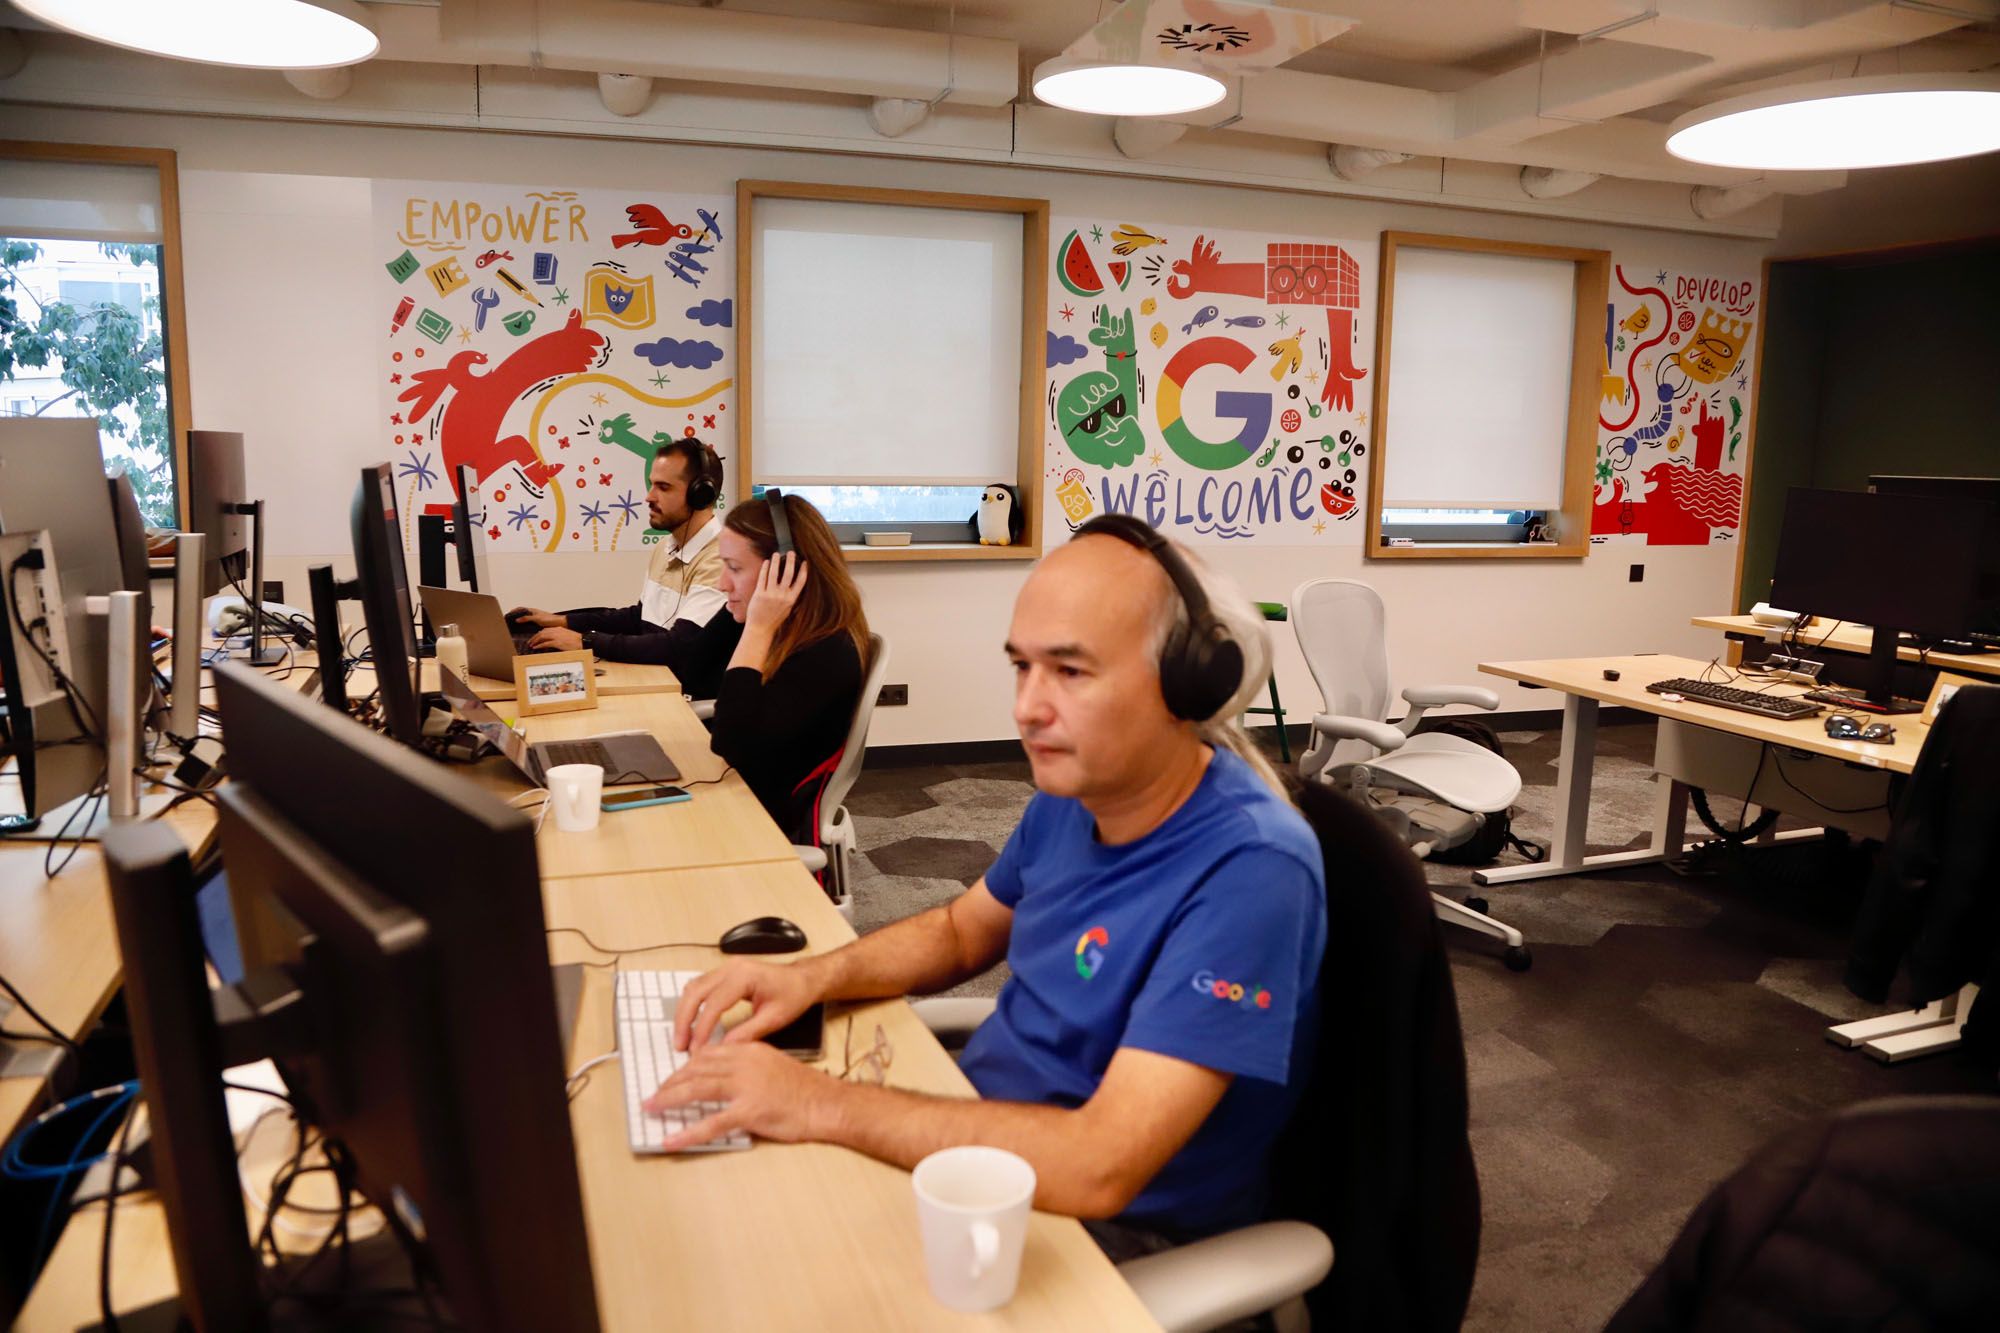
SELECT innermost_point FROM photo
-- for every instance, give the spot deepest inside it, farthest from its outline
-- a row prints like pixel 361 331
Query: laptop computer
pixel 625 756
pixel 490 645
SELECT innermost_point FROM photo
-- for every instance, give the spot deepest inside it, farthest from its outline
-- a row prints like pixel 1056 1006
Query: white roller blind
pixel 1480 348
pixel 886 344
pixel 79 201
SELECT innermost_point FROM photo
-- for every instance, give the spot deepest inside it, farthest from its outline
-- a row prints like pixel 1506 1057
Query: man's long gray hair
pixel 1246 627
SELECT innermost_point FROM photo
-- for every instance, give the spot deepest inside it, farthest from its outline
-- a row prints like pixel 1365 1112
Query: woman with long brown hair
pixel 787 696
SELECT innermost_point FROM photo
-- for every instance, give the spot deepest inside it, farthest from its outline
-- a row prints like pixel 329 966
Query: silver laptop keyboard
pixel 644 1022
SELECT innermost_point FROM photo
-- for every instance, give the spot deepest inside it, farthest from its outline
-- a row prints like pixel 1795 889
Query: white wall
pixel 281 351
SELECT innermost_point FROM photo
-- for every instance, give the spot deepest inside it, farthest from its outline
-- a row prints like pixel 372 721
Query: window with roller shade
pixel 83 328
pixel 884 351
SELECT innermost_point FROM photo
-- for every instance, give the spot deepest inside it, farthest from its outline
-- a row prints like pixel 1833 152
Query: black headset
pixel 1201 666
pixel 705 485
pixel 781 523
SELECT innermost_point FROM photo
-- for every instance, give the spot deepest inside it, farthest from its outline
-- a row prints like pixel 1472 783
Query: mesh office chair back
pixel 1343 631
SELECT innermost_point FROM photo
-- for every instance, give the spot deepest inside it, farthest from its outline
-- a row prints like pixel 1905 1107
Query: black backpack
pixel 1496 834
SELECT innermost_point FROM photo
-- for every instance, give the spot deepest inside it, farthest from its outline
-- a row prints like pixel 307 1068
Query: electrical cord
pixel 616 954
pixel 87 807
pixel 1746 828
pixel 56 1035
pixel 78 705
pixel 108 1319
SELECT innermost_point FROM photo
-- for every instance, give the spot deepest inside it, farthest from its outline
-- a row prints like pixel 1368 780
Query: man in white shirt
pixel 682 591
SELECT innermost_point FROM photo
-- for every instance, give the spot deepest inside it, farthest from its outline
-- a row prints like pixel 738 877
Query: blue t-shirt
pixel 1201 941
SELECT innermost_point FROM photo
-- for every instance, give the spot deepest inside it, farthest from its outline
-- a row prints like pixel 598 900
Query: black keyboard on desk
pixel 1784 708
pixel 575 752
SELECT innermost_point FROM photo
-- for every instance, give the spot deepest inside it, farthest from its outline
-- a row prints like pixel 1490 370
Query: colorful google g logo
pixel 1090 951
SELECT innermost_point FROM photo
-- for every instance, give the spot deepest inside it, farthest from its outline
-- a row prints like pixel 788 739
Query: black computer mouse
pixel 766 934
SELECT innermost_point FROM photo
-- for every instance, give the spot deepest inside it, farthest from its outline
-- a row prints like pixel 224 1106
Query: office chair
pixel 1433 790
pixel 1883 1215
pixel 836 828
pixel 1375 1198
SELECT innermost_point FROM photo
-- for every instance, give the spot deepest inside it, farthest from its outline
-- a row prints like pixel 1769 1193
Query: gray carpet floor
pixel 1670 1025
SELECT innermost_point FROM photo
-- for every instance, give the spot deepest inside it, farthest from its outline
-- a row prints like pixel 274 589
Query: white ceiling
pixel 1578 88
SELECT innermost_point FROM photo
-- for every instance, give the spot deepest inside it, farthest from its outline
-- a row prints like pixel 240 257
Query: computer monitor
pixel 1897 563
pixel 400 981
pixel 215 485
pixel 52 480
pixel 134 564
pixel 1984 627
pixel 468 532
pixel 385 601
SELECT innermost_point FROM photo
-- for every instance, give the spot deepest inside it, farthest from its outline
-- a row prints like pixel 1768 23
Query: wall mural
pixel 1674 407
pixel 553 339
pixel 1207 381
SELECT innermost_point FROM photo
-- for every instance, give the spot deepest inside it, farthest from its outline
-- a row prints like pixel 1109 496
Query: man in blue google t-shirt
pixel 1161 906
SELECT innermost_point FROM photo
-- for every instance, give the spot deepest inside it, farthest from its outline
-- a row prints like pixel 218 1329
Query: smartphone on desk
pixel 643 796
pixel 803 1037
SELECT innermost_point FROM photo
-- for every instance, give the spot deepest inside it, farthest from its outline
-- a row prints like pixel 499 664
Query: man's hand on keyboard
pixel 768 1093
pixel 534 615
pixel 556 641
pixel 777 994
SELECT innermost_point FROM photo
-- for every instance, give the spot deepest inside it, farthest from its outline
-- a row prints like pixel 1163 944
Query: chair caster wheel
pixel 1518 959
pixel 1476 903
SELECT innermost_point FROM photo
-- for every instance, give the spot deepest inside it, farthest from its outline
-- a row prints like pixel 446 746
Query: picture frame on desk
pixel 1945 686
pixel 555 682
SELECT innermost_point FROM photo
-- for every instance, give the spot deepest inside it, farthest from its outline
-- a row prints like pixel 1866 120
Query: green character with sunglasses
pixel 1095 409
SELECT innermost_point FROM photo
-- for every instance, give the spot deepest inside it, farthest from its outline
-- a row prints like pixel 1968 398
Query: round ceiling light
pixel 1878 121
pixel 1105 89
pixel 252 34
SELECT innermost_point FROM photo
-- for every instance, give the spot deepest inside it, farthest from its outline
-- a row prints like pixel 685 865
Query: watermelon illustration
pixel 1076 269
pixel 1121 272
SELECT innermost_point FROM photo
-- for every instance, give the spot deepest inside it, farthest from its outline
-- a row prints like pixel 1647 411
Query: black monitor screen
pixel 1986 608
pixel 385 600
pixel 1904 562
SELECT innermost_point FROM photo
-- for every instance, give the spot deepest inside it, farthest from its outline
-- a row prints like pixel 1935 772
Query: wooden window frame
pixel 173 308
pixel 1034 317
pixel 1571 522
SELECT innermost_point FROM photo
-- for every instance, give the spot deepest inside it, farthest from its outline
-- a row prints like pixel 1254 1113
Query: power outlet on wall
pixel 893 696
pixel 1638 574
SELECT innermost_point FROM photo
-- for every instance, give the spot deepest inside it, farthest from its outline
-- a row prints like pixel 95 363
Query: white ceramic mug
pixel 972 1205
pixel 576 794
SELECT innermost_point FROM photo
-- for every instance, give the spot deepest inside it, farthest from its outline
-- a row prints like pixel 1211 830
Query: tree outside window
pixel 81 335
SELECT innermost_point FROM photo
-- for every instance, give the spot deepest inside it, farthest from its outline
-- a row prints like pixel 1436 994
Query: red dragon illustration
pixel 1686 503
pixel 469 426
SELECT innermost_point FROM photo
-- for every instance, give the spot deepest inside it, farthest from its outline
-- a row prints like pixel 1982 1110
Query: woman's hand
pixel 780 580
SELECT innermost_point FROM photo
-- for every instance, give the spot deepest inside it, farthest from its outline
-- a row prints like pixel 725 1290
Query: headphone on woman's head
pixel 781 524
pixel 1201 665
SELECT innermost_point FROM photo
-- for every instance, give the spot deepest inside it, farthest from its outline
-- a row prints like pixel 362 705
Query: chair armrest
pixel 954 1015
pixel 1378 734
pixel 812 858
pixel 1232 1276
pixel 703 708
pixel 1436 696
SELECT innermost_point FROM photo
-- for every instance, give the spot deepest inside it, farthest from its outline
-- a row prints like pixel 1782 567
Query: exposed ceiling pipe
pixel 1549 183
pixel 322 84
pixel 13 53
pixel 1143 136
pixel 1351 163
pixel 893 117
pixel 1710 202
pixel 624 94
pixel 704 46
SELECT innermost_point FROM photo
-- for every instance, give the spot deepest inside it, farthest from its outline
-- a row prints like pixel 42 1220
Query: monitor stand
pixel 1882 661
pixel 68 823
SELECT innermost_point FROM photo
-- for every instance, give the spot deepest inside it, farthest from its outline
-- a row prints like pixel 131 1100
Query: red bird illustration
pixel 469 427
pixel 654 228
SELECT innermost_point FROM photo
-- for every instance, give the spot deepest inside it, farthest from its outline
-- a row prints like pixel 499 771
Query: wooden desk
pixel 616 678
pixel 1581 681
pixel 723 825
pixel 785 1236
pixel 1847 639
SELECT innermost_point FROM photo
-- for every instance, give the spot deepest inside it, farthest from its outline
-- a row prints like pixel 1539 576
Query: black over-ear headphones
pixel 705 479
pixel 781 523
pixel 1201 666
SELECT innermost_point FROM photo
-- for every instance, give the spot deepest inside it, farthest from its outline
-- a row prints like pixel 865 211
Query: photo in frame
pixel 1947 685
pixel 555 682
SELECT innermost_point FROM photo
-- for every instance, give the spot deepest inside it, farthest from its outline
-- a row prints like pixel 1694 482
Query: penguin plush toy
pixel 1000 520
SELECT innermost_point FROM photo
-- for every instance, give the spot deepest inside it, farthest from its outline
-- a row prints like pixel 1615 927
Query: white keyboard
pixel 644 1025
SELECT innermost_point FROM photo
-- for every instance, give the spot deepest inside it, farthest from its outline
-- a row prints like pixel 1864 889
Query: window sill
pixel 1482 551
pixel 916 551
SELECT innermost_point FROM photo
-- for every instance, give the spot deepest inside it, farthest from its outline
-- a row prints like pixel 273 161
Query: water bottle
pixel 451 651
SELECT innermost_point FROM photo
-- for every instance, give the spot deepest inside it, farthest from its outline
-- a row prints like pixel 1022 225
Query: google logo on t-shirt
pixel 1207 983
pixel 1090 948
